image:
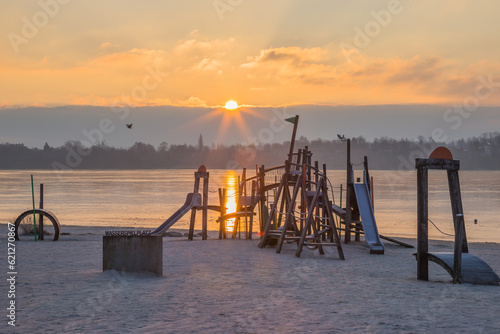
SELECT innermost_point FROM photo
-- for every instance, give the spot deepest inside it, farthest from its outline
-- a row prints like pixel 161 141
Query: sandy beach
pixel 232 286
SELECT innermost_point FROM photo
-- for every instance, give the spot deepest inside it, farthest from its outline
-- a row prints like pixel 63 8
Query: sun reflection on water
pixel 232 190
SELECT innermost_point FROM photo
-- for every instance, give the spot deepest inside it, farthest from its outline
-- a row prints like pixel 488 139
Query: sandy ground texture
pixel 232 286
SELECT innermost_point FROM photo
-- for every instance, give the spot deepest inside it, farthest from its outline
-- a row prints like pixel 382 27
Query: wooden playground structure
pixel 294 203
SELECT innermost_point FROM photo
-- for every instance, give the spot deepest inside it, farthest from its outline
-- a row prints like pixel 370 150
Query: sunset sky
pixel 432 63
pixel 259 53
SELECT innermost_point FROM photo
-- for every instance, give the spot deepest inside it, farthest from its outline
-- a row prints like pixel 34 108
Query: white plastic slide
pixel 193 200
pixel 368 218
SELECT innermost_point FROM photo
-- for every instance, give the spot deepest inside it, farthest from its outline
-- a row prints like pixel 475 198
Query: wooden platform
pixel 474 269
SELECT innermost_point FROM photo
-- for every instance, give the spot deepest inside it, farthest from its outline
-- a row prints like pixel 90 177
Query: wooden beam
pixel 437 164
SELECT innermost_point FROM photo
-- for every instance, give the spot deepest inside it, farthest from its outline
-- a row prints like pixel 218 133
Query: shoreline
pixel 214 234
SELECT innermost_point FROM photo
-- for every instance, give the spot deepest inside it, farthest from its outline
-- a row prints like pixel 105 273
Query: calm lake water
pixel 145 198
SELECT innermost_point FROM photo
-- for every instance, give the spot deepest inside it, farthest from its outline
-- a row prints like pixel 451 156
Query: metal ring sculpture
pixel 40 212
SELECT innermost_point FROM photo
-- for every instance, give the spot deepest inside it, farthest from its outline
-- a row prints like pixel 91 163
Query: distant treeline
pixel 481 152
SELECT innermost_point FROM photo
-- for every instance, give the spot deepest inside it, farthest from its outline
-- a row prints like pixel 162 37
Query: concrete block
pixel 135 254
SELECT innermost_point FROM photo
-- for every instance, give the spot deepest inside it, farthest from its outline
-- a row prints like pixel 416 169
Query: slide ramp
pixel 193 200
pixel 474 269
pixel 368 218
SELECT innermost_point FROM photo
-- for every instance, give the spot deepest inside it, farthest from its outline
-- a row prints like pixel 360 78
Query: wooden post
pixel 262 181
pixel 367 175
pixel 316 173
pixel 193 210
pixel 238 197
pixel 457 254
pixel 40 218
pixel 221 220
pixel 252 201
pixel 224 200
pixel 372 193
pixel 348 212
pixel 307 159
pixel 422 225
pixel 244 177
pixel 303 202
pixel 294 133
pixel 456 205
pixel 204 222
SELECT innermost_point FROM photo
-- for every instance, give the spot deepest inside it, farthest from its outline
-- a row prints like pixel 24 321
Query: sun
pixel 231 105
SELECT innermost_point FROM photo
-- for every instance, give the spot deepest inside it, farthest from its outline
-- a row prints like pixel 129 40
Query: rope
pixel 281 213
pixel 319 217
pixel 358 164
pixel 451 235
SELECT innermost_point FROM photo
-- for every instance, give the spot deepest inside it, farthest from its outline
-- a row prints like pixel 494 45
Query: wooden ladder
pixel 320 199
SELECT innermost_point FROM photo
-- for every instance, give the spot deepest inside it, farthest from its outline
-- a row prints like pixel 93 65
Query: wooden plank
pixel 338 211
pixel 437 164
pixel 214 208
pixel 328 244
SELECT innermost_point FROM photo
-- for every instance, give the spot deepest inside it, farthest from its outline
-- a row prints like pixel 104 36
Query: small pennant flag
pixel 291 119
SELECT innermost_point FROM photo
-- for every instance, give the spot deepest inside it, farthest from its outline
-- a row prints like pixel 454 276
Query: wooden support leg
pixel 204 223
pixel 193 211
pixel 221 220
pixel 456 205
pixel 271 215
pixel 422 225
pixel 251 226
pixel 457 255
pixel 289 212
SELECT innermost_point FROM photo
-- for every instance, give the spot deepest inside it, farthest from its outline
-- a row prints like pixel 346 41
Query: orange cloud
pixel 206 72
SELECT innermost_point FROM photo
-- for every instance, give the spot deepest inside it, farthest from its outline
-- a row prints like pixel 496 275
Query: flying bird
pixel 341 137
pixel 129 126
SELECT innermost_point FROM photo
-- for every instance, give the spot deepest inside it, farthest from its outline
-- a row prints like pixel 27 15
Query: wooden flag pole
pixel 292 142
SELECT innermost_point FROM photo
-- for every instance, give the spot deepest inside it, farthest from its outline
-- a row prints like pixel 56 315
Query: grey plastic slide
pixel 193 200
pixel 368 218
